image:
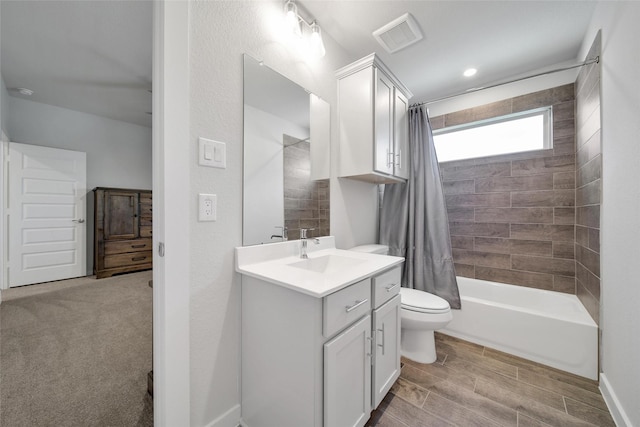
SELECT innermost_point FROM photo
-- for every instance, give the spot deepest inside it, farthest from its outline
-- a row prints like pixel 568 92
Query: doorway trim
pixel 171 206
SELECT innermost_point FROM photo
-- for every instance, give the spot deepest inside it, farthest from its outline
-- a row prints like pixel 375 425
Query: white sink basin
pixel 327 264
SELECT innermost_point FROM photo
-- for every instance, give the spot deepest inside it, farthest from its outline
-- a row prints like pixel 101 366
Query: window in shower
pixel 513 133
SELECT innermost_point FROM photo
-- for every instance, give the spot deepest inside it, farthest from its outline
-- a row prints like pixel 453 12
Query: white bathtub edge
pixel 615 408
pixel 586 371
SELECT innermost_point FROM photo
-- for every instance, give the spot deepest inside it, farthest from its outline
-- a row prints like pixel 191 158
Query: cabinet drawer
pixel 121 260
pixel 344 307
pixel 386 286
pixel 145 231
pixel 146 210
pixel 123 246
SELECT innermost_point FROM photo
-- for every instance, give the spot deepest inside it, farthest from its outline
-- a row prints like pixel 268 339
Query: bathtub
pixel 547 327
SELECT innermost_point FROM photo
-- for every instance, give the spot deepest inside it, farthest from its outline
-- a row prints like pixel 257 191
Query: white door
pixel 386 364
pixel 47 205
pixel 347 377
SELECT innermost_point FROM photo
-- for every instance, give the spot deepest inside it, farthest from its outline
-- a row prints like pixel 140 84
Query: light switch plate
pixel 207 207
pixel 212 153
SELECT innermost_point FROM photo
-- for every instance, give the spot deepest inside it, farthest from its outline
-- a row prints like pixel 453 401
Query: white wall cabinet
pixel 318 362
pixel 373 122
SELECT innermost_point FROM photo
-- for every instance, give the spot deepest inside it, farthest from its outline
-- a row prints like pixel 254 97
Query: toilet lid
pixel 416 300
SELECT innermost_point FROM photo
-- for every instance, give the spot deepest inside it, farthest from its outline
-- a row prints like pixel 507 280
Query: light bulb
pixel 315 41
pixel 291 18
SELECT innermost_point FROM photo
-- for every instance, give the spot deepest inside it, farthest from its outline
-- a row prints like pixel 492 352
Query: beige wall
pixel 511 217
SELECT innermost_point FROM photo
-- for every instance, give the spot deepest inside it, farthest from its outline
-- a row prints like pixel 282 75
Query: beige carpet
pixel 77 353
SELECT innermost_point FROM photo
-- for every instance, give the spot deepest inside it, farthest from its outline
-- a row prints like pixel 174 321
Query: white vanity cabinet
pixel 373 121
pixel 318 362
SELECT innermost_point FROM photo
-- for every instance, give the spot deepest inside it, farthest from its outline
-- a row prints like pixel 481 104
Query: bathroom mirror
pixel 286 158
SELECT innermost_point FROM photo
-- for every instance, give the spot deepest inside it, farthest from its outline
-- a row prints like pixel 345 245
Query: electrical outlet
pixel 207 207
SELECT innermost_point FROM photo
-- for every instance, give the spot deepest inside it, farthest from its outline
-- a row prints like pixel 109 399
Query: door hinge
pixel 161 249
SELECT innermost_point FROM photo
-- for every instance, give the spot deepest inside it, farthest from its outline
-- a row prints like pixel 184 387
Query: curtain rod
pixel 582 64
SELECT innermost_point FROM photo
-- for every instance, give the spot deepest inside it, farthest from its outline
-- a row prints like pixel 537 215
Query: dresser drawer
pixel 146 210
pixel 386 286
pixel 146 198
pixel 344 307
pixel 133 258
pixel 146 230
pixel 123 246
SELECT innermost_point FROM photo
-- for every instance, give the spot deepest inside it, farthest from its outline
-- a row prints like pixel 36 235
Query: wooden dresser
pixel 122 233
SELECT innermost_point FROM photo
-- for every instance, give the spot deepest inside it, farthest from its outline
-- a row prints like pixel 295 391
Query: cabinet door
pixel 401 136
pixel 383 124
pixel 347 377
pixel 120 215
pixel 386 363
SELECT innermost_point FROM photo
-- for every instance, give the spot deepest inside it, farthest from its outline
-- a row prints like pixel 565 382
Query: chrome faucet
pixel 303 242
pixel 283 234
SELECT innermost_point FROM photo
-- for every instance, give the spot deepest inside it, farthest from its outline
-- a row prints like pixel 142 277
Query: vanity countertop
pixel 327 269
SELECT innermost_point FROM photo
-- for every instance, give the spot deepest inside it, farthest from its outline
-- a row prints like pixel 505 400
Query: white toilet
pixel 421 313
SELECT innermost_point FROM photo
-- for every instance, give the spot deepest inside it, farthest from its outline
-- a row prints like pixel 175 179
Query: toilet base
pixel 418 345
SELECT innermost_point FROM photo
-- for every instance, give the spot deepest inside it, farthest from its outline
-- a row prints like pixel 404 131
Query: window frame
pixel 546 112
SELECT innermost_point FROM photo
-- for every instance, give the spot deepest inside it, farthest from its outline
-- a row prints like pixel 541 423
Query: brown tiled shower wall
pixel 306 202
pixel 512 217
pixel 588 184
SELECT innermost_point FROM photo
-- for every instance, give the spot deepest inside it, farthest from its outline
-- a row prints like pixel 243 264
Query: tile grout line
pixel 445 359
pixel 564 400
pixel 425 399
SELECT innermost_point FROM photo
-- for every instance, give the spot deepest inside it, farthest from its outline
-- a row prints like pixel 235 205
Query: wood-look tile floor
pixel 472 385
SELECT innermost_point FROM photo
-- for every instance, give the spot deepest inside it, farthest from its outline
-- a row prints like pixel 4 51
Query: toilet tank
pixel 372 249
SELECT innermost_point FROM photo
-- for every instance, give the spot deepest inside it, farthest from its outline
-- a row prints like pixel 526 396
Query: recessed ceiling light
pixel 24 91
pixel 470 72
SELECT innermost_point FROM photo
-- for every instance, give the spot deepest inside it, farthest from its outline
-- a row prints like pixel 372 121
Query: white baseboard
pixel 231 418
pixel 617 411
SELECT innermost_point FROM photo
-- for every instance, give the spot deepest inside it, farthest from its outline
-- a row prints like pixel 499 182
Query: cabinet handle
pixel 79 221
pixel 399 157
pixel 392 287
pixel 389 159
pixel 138 246
pixel 350 308
pixel 140 258
pixel 382 344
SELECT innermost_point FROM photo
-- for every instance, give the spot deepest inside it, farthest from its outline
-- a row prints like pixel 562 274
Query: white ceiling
pixel 501 39
pixel 90 56
pixel 95 56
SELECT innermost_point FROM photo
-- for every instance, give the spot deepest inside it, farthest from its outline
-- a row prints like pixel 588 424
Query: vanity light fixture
pixel 314 37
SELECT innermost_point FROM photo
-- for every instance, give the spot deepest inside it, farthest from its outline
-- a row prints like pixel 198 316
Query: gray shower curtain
pixel 413 220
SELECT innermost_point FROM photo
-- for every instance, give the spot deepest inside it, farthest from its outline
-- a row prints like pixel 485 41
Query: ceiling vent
pixel 399 33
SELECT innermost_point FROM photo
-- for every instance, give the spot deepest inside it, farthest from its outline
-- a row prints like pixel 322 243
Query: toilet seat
pixel 422 302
